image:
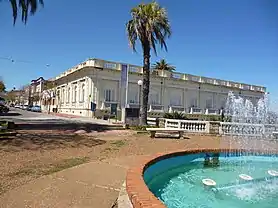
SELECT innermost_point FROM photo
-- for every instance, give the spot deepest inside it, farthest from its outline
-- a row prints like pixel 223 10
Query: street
pixel 33 120
pixel 23 116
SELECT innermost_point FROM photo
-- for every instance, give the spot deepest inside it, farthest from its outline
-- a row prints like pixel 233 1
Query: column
pixel 165 98
pixel 184 99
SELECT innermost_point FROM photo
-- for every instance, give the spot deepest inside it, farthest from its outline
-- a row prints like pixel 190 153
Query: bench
pixel 154 130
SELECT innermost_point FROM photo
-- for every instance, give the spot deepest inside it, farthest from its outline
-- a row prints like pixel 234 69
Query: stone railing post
pixel 161 122
pixel 214 127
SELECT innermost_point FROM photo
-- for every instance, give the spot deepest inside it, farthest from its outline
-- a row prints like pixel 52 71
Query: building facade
pixel 35 92
pixel 99 81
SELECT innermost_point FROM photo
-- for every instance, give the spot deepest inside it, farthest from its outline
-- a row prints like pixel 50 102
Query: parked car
pixel 29 108
pixel 36 108
pixel 4 109
pixel 24 107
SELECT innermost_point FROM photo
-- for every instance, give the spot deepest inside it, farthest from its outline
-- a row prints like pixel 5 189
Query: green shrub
pixel 175 115
pixel 227 119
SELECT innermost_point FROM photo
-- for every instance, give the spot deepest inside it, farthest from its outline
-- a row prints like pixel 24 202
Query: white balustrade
pixel 189 125
pixel 270 128
pixel 151 121
pixel 241 129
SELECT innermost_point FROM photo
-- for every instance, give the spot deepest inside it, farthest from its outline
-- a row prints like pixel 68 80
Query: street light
pixel 140 83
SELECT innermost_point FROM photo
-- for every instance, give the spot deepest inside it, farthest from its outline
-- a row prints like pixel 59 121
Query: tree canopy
pixel 149 24
pixel 2 86
pixel 163 65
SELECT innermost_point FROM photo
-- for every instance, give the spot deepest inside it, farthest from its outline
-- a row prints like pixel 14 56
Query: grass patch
pixel 65 164
pixel 119 143
pixel 115 146
pixel 109 149
pixel 53 168
pixel 24 172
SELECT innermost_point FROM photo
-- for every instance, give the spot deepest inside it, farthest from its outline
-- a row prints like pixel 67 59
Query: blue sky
pixel 232 39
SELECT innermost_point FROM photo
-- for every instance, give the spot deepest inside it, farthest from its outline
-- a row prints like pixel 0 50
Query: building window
pixel 68 98
pixel 175 99
pixel 209 103
pixel 109 95
pixel 58 94
pixel 223 103
pixel 74 94
pixel 133 96
pixel 194 103
pixel 63 96
pixel 154 98
pixel 82 93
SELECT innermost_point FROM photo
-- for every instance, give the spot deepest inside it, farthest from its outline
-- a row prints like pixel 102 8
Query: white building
pixel 99 81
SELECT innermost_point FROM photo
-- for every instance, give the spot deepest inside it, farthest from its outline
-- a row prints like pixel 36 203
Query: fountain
pixel 243 110
pixel 243 175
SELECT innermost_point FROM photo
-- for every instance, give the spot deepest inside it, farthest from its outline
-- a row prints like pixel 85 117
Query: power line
pixel 20 61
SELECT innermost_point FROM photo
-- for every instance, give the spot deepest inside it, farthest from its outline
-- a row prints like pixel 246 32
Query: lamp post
pixel 140 83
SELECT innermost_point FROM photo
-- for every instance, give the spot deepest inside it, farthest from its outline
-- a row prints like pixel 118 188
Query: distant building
pixel 98 81
pixel 35 91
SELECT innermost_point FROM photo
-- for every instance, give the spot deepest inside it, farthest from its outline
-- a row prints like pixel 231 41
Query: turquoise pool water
pixel 177 182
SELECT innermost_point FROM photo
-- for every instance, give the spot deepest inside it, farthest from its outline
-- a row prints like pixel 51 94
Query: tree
pixel 163 66
pixel 27 7
pixel 2 86
pixel 23 95
pixel 11 96
pixel 149 24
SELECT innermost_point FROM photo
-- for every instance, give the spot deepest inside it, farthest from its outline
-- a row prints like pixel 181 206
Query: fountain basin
pixel 175 179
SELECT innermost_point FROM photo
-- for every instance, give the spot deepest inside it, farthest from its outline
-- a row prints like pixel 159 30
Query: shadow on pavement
pixel 47 140
pixel 88 127
pixel 10 114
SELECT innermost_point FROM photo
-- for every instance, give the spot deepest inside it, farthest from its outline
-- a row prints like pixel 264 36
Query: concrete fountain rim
pixel 138 192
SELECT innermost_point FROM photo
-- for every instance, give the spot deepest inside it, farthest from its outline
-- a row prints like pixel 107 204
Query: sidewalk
pixel 84 119
pixel 95 184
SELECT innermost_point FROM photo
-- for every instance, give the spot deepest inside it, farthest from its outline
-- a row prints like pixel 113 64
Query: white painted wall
pixel 103 88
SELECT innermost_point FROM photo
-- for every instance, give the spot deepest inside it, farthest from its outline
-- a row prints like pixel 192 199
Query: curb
pixel 123 199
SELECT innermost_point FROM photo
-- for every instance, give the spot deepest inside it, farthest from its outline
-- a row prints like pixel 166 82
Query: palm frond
pixel 150 25
pixel 26 6
pixel 163 65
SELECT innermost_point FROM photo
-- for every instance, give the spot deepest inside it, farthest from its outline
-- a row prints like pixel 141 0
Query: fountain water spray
pixel 248 119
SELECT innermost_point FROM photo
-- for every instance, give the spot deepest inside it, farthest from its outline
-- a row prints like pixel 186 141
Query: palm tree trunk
pixel 146 84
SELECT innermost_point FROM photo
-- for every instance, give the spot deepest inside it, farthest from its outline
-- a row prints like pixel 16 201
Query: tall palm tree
pixel 150 25
pixel 27 7
pixel 163 66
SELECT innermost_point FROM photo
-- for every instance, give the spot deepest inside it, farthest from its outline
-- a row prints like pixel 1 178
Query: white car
pixel 24 107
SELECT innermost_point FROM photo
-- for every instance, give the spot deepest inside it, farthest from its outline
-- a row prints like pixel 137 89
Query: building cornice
pixel 175 76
